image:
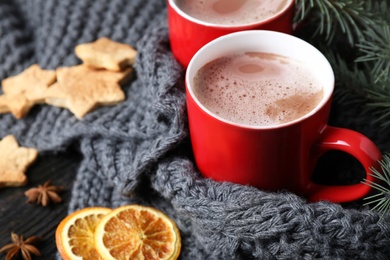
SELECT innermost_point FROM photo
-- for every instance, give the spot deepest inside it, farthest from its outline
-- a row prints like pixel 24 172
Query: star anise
pixel 21 246
pixel 44 194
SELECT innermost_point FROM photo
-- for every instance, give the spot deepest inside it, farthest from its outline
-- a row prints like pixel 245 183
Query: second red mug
pixel 188 34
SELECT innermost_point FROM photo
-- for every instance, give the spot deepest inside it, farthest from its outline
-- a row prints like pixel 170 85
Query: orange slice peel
pixel 75 233
pixel 137 232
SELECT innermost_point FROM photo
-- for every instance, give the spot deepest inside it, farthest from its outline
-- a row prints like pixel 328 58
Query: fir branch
pixel 381 199
pixel 375 49
pixel 360 57
pixel 380 103
pixel 380 9
pixel 355 85
pixel 350 79
pixel 334 17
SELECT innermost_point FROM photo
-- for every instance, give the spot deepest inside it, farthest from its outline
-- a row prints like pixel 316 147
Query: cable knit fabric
pixel 139 152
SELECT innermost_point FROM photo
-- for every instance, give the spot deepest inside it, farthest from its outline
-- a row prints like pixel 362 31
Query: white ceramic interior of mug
pixel 264 41
pixel 173 4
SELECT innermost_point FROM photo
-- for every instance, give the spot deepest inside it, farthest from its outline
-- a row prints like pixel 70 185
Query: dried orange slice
pixel 137 232
pixel 75 234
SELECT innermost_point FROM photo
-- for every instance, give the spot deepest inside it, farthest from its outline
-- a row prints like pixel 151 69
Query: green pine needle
pixel 381 200
pixel 355 37
pixel 379 102
pixel 349 17
pixel 375 49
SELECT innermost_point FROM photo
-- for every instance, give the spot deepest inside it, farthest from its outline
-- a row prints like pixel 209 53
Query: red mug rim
pixel 328 90
pixel 173 4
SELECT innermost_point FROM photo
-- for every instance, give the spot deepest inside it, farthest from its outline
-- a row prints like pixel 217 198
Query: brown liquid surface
pixel 231 12
pixel 257 89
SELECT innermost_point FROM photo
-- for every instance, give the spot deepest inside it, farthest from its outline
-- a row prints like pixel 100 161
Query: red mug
pixel 188 34
pixel 276 157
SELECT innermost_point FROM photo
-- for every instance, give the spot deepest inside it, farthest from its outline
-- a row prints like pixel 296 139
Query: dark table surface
pixel 34 220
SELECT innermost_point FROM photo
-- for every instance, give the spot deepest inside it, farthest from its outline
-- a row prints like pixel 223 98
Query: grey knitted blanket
pixel 138 151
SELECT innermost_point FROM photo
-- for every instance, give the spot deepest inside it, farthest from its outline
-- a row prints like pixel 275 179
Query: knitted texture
pixel 138 151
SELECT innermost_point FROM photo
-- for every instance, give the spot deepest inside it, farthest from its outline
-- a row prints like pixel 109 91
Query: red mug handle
pixel 355 144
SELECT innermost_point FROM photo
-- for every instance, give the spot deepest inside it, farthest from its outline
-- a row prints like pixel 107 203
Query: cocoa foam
pixel 232 12
pixel 257 89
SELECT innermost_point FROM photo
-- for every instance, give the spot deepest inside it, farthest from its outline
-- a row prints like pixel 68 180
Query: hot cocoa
pixel 257 89
pixel 232 12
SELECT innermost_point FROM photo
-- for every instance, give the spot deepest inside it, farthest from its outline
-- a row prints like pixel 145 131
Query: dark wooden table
pixel 33 220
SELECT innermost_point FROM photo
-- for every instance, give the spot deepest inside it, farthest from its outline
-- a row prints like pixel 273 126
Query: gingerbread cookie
pixel 14 161
pixel 18 105
pixel 81 89
pixel 23 91
pixel 106 54
pixel 107 64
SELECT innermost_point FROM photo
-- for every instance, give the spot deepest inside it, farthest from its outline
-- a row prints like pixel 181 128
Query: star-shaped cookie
pixel 107 54
pixel 18 105
pixel 14 161
pixel 23 91
pixel 81 89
